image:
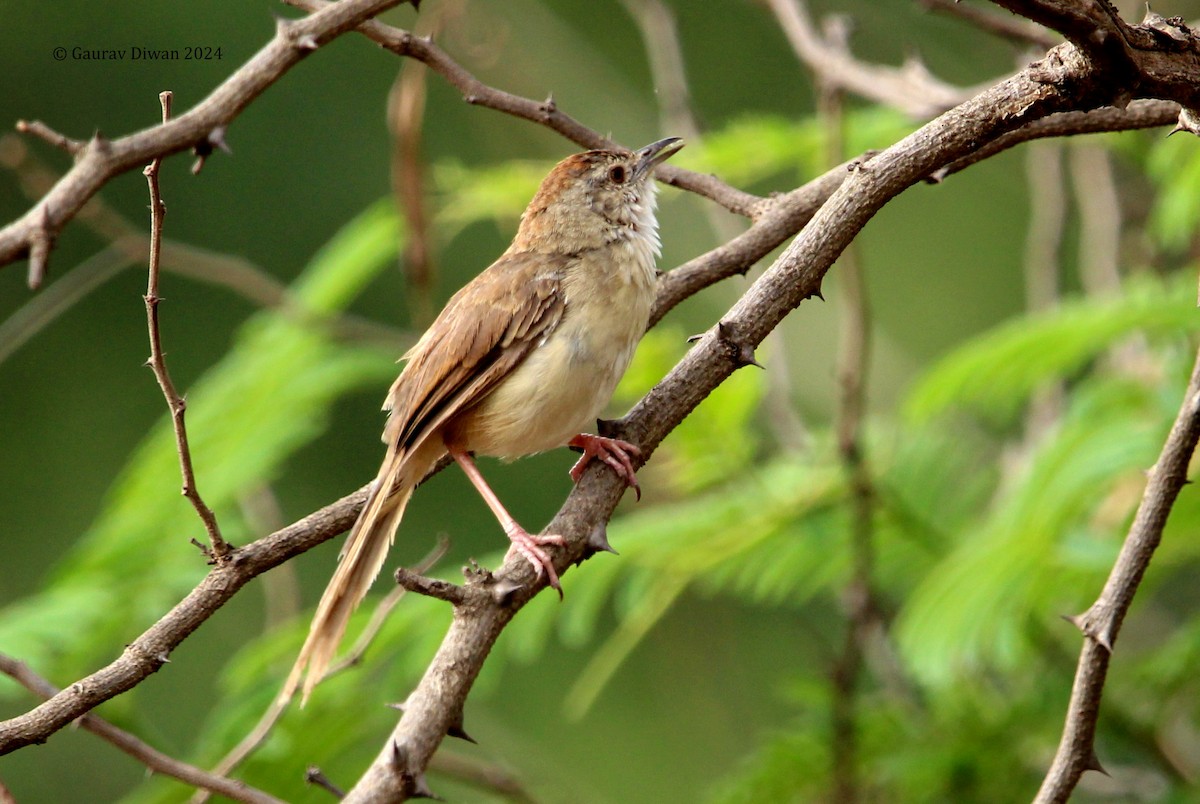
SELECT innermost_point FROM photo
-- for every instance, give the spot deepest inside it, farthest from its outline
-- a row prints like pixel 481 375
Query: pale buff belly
pixel 556 393
pixel 565 383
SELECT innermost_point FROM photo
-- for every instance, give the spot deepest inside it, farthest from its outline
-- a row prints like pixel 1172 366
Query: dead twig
pixel 217 548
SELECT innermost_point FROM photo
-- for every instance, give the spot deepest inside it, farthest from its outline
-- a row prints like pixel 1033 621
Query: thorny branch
pixel 1063 89
pixel 218 548
pixel 1101 623
pixel 201 128
pixel 1064 82
pixel 154 760
pixel 149 651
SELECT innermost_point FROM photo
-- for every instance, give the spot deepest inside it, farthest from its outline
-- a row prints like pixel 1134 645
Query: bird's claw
pixel 613 451
pixel 529 546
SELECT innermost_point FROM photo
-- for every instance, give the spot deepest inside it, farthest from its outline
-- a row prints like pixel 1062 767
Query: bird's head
pixel 596 198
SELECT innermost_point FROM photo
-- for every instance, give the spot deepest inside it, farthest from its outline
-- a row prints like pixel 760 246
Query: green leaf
pixel 995 374
pixel 1016 567
pixel 269 396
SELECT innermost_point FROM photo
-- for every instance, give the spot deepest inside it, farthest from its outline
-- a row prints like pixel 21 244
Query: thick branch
pixel 398 772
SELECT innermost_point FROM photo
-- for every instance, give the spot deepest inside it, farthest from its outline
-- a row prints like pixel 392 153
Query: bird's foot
pixel 613 451
pixel 530 547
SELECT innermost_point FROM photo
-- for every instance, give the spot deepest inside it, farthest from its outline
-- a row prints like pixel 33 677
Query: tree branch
pixel 148 652
pixel 1102 622
pixel 436 704
pixel 910 89
pixel 218 548
pixel 154 760
pixel 100 159
pixel 546 112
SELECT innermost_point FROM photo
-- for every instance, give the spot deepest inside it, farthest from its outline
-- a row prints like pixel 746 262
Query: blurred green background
pixel 698 664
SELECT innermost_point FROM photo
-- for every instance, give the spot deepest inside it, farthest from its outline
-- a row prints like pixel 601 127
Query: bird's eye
pixel 616 174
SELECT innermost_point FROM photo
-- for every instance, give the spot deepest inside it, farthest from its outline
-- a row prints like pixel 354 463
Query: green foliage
pixel 978 545
pixel 268 397
pixel 1174 165
pixel 994 374
pixel 755 148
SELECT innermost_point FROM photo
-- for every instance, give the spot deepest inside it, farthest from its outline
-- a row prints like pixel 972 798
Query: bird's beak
pixel 654 154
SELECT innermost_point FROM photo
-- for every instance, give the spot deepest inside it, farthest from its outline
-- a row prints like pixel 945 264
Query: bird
pixel 521 360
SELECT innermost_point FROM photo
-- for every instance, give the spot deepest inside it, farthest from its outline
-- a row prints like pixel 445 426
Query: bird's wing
pixel 482 335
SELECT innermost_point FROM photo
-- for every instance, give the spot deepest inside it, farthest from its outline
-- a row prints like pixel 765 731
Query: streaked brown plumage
pixel 520 361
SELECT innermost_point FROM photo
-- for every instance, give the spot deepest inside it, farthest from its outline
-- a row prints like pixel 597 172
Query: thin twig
pixel 380 615
pixel 911 88
pixel 37 128
pixel 1102 622
pixel 219 548
pixel 546 113
pixel 858 597
pixel 154 760
pixel 316 777
pixel 660 39
pixel 483 775
pixel 406 117
pixel 1099 202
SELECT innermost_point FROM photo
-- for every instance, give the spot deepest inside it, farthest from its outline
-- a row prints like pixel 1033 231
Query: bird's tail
pixel 360 561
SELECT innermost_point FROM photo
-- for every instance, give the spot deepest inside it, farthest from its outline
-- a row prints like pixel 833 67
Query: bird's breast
pixel 565 382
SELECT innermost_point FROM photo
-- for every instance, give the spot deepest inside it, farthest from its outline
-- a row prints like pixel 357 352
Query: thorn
pixel 216 138
pixel 1188 121
pixel 416 4
pixel 456 730
pixel 307 42
pixel 100 142
pixel 471 99
pixel 502 591
pixel 398 756
pixel 597 540
pixel 1093 763
pixel 1076 620
pixel 314 776
pixel 694 338
pixel 421 788
pixel 742 349
pixel 817 294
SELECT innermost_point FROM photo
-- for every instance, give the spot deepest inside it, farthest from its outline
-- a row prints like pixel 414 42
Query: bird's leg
pixel 613 451
pixel 524 542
